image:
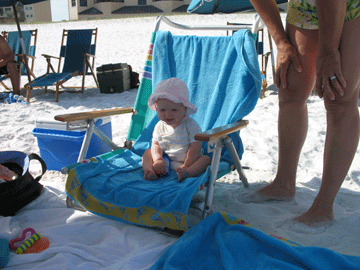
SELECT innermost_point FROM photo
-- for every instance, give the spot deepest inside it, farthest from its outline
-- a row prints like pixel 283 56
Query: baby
pixel 174 134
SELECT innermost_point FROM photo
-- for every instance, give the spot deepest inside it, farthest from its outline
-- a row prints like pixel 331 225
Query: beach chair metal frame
pixel 216 138
pixel 23 58
pixel 88 62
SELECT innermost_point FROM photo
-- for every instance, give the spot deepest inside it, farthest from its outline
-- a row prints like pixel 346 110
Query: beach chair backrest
pixel 222 74
pixel 143 113
pixel 13 40
pixel 77 43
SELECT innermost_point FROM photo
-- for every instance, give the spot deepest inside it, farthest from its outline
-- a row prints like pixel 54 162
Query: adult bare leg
pixel 293 118
pixel 342 135
pixel 14 77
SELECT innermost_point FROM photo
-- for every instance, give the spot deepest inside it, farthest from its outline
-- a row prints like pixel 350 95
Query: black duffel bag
pixel 16 194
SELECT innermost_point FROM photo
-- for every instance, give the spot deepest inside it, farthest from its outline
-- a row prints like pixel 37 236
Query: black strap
pixel 34 156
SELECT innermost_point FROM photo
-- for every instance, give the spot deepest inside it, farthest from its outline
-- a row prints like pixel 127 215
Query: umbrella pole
pixel 23 59
pixel 18 27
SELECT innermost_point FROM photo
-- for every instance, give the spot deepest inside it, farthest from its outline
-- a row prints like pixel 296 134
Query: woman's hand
pixel 329 78
pixel 286 56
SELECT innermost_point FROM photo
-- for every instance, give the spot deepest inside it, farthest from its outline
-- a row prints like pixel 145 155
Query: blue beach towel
pixel 116 188
pixel 222 74
pixel 222 241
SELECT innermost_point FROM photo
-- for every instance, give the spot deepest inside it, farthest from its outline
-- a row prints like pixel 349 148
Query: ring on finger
pixel 333 78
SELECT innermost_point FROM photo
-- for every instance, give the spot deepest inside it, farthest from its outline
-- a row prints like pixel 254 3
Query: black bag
pixel 134 79
pixel 17 193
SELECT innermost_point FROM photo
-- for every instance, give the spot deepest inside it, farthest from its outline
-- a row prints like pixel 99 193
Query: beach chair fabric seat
pixel 223 77
pixel 77 47
pixel 51 79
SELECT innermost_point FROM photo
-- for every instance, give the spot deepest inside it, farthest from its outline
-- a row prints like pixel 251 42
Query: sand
pixel 126 41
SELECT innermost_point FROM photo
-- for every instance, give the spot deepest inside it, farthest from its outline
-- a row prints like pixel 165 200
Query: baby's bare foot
pixel 150 175
pixel 182 174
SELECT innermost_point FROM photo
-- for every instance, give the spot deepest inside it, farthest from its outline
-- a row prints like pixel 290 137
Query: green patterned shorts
pixel 302 13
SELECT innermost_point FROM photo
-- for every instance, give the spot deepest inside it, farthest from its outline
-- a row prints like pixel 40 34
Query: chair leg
pixel 86 141
pixel 70 203
pixel 83 84
pixel 93 74
pixel 263 86
pixel 210 189
pixel 57 93
pixel 3 84
pixel 83 78
pixel 28 93
pixel 272 55
pixel 235 158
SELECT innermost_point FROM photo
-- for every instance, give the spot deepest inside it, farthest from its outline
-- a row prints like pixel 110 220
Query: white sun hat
pixel 175 90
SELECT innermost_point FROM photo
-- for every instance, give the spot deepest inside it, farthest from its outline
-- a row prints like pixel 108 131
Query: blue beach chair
pixel 25 59
pixel 224 81
pixel 78 50
pixel 221 6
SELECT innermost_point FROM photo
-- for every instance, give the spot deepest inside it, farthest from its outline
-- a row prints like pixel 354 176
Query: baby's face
pixel 170 112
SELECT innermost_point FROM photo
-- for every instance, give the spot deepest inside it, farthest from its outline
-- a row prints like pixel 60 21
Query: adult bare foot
pixel 316 215
pixel 271 192
pixel 275 190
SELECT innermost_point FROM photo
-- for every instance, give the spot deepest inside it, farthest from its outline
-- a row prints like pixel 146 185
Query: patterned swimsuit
pixel 302 13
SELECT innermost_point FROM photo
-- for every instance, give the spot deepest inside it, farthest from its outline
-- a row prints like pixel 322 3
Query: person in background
pixel 8 65
pixel 319 47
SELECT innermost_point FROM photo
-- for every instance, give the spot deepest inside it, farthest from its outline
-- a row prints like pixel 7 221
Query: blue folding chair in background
pixel 25 59
pixel 78 50
pixel 221 6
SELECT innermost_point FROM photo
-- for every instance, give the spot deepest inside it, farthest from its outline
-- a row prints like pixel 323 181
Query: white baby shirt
pixel 176 142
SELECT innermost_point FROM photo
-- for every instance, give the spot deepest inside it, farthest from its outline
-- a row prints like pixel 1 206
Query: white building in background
pixel 39 12
pixel 92 9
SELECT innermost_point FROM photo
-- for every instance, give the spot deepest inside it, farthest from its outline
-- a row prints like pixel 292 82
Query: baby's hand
pixel 159 166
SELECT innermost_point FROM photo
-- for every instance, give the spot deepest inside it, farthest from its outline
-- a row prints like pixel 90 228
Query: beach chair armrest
pixel 218 132
pixel 89 55
pixel 26 55
pixel 49 56
pixel 92 114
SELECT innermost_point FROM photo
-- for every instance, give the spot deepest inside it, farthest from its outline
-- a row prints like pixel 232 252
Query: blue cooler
pixel 60 147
